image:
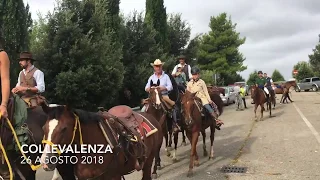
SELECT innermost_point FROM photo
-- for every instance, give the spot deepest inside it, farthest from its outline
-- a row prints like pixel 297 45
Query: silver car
pixel 230 96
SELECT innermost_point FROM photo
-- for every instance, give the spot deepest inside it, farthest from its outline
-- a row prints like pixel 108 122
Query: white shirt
pixel 236 89
pixel 179 65
pixel 38 76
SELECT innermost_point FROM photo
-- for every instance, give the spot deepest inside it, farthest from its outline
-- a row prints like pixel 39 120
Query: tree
pixel 277 76
pixel 304 70
pixel 207 77
pixel 156 17
pixel 219 49
pixel 179 34
pixel 139 47
pixel 314 60
pixel 252 78
pixel 80 59
pixel 192 50
pixel 15 21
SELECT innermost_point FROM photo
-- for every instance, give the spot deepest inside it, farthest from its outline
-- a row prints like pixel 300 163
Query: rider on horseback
pixel 198 86
pixel 30 81
pixel 269 82
pixel 165 86
pixel 261 82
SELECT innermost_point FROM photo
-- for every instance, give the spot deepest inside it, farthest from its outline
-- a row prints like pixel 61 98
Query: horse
pixel 66 125
pixel 36 118
pixel 193 119
pixel 272 98
pixel 286 87
pixel 260 98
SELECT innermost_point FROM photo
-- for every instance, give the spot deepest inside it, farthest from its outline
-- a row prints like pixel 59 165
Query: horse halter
pixel 76 125
pixel 156 103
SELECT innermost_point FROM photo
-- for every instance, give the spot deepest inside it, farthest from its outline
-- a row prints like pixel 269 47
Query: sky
pixel 279 33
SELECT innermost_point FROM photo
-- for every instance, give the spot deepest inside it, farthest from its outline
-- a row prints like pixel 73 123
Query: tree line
pixel 92 55
pixel 310 68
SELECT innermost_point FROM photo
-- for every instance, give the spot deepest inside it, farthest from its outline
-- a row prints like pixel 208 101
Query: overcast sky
pixel 279 32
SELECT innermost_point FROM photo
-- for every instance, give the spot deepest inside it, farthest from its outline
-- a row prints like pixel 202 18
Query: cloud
pixel 279 33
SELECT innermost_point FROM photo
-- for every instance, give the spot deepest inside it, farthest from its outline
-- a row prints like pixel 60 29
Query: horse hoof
pixel 205 153
pixel 168 154
pixel 174 160
pixel 190 173
pixel 159 167
pixel 196 163
pixel 154 176
pixel 211 158
pixel 183 144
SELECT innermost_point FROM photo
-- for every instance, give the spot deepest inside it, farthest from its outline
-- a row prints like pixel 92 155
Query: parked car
pixel 307 84
pixel 230 96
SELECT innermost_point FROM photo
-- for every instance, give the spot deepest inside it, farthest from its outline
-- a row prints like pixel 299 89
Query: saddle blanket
pixel 147 130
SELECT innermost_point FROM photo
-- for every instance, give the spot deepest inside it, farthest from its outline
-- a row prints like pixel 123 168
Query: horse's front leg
pixel 183 137
pixel 194 140
pixel 175 140
pixel 262 109
pixel 212 131
pixel 204 146
pixel 255 111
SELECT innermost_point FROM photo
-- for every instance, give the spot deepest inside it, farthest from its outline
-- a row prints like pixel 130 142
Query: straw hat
pixel 157 62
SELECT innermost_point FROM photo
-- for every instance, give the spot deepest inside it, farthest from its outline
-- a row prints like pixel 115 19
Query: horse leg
pixel 170 140
pixel 166 139
pixel 255 111
pixel 205 153
pixel 146 171
pixel 175 140
pixel 183 137
pixel 289 98
pixel 194 139
pixel 262 109
pixel 212 131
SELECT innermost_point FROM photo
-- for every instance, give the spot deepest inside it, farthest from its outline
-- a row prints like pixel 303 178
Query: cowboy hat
pixel 181 57
pixel 157 62
pixel 25 55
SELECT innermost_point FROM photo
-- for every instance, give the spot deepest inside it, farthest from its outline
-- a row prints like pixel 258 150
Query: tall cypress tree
pixel 156 17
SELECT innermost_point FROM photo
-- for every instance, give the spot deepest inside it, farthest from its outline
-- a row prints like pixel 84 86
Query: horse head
pixel 59 129
pixel 189 107
pixel 155 95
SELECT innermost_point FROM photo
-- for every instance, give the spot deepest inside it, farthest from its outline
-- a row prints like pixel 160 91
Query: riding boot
pixel 176 127
pixel 218 122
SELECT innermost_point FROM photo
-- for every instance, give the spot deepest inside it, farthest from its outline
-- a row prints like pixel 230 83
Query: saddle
pixel 138 126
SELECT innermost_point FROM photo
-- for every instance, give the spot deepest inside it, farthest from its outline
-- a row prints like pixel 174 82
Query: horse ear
pixel 151 83
pixel 46 109
pixel 158 82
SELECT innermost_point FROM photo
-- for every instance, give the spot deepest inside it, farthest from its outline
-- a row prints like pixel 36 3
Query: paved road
pixel 286 146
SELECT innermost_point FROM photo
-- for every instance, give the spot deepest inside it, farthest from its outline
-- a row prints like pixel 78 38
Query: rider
pixel 185 68
pixel 269 82
pixel 5 93
pixel 261 83
pixel 30 81
pixel 198 86
pixel 180 78
pixel 165 86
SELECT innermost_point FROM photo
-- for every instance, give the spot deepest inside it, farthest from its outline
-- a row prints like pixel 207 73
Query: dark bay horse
pixel 260 98
pixel 36 118
pixel 196 124
pixel 67 126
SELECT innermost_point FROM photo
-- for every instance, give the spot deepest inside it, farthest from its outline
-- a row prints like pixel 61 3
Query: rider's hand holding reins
pixel 3 110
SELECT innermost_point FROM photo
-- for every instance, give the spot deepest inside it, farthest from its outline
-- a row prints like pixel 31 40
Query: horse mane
pixel 84 116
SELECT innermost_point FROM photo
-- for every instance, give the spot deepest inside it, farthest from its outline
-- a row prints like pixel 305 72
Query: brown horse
pixel 112 129
pixel 284 90
pixel 36 118
pixel 158 109
pixel 192 113
pixel 260 98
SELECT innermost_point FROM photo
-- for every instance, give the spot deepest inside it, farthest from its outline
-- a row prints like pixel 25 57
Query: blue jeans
pixel 209 108
pixel 261 86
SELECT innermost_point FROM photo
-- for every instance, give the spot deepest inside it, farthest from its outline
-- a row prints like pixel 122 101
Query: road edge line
pixel 310 126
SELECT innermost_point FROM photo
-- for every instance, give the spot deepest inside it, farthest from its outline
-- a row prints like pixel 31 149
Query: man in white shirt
pixel 30 80
pixel 184 66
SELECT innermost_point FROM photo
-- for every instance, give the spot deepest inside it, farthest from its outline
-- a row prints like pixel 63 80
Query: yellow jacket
pixel 242 92
pixel 200 88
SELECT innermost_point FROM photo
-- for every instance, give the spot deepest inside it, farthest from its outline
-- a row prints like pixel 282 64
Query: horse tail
pixel 218 101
